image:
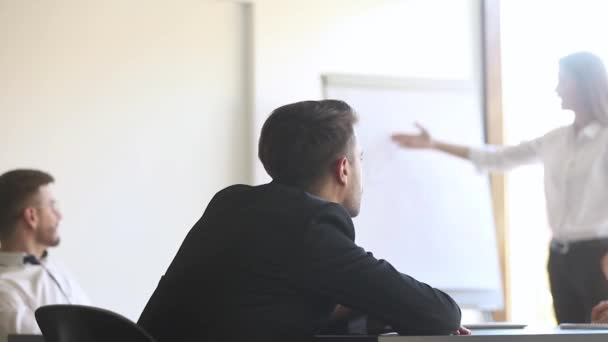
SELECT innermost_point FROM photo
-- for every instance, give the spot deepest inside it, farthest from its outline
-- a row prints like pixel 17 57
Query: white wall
pixel 136 107
pixel 296 41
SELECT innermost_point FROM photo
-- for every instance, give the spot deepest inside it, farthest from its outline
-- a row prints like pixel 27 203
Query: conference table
pixel 481 335
pixel 528 334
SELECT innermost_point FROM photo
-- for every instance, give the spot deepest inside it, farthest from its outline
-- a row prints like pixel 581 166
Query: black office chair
pixel 78 323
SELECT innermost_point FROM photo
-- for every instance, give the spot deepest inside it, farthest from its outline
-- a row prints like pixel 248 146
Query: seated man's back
pixel 29 278
pixel 270 263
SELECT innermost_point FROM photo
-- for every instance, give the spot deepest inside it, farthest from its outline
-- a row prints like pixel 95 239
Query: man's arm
pixel 331 264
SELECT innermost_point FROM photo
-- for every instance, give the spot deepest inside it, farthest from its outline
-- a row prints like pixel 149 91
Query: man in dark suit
pixel 272 262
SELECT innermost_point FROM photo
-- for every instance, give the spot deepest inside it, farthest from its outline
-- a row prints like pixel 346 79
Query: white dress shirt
pixel 24 287
pixel 576 177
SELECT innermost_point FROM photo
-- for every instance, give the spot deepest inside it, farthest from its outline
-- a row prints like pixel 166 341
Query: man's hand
pixel 599 314
pixel 462 331
pixel 341 312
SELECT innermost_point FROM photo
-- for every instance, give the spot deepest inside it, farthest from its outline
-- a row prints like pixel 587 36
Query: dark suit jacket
pixel 269 263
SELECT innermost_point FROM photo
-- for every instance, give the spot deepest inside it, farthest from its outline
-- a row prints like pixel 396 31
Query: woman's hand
pixel 421 140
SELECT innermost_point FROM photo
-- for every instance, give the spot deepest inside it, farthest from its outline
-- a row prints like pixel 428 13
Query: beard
pixel 54 242
pixel 49 237
pixel 352 204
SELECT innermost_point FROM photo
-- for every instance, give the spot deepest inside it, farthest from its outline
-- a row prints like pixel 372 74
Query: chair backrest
pixel 79 323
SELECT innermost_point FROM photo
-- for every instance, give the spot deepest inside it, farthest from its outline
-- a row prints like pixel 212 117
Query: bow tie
pixel 32 260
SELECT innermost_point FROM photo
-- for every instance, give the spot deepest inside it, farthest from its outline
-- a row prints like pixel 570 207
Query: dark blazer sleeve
pixel 331 264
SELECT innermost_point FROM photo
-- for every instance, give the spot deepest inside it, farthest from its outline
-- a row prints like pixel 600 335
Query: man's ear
pixel 30 215
pixel 341 170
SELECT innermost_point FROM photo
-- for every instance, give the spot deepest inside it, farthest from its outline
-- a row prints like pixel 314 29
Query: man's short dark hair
pixel 299 141
pixel 16 188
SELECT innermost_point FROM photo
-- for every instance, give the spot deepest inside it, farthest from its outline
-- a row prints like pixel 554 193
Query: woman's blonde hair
pixel 591 81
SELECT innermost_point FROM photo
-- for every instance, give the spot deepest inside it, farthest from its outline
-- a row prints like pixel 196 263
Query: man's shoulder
pixel 235 189
pixel 270 193
pixel 278 200
pixel 13 275
pixel 233 192
pixel 13 287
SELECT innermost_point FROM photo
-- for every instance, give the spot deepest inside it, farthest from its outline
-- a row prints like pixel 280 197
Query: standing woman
pixel 575 160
